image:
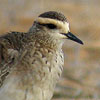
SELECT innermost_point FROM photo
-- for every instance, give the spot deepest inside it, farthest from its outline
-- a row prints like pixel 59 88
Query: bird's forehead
pixel 64 26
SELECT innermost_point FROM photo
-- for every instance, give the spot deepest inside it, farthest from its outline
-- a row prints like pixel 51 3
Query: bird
pixel 31 62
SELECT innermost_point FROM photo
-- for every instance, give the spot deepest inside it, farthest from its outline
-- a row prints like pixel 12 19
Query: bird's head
pixel 56 25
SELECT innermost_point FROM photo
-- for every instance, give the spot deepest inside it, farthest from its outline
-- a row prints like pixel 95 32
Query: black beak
pixel 73 37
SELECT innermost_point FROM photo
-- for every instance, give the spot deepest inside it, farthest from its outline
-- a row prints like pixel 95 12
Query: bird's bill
pixel 73 37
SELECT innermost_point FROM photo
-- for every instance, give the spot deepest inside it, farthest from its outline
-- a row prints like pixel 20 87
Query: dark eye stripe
pixel 50 26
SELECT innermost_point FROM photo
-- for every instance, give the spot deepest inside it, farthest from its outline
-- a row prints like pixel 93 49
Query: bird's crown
pixel 53 20
pixel 53 15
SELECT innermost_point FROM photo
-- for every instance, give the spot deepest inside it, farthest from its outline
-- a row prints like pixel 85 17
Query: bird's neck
pixel 45 39
pixel 49 42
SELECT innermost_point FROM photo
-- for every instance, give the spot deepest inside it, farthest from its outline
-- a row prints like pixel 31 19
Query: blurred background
pixel 81 75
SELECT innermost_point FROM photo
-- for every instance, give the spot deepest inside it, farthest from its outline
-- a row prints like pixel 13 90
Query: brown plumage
pixel 31 63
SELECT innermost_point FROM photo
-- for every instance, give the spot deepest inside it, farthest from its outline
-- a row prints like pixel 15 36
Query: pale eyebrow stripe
pixel 63 25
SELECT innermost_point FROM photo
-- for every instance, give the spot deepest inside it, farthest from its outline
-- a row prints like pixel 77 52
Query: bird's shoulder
pixel 10 52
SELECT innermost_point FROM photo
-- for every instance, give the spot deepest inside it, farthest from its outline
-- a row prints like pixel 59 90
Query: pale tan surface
pixel 82 63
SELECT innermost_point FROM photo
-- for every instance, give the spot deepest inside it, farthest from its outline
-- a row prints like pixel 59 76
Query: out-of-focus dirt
pixel 81 75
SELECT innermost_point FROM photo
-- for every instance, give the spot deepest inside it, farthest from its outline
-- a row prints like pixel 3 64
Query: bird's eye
pixel 51 26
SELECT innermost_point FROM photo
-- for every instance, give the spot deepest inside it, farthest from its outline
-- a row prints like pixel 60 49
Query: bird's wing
pixel 9 55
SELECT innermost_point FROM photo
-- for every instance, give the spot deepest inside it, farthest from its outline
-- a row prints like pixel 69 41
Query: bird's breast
pixel 36 76
pixel 43 64
pixel 44 68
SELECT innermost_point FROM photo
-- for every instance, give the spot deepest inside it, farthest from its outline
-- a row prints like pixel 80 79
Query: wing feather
pixel 10 53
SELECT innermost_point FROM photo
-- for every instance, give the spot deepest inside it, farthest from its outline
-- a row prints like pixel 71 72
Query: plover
pixel 31 63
